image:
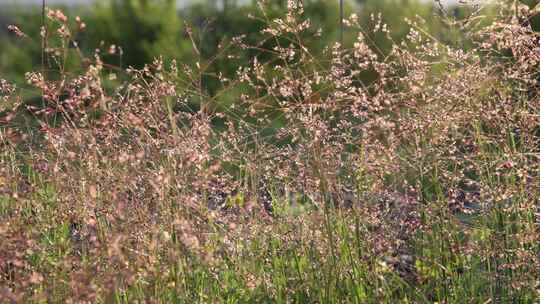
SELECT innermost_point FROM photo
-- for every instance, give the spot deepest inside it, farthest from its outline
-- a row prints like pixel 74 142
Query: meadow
pixel 351 176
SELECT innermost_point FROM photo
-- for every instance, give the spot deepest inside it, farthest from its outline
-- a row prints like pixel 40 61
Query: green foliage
pixel 535 19
pixel 143 29
pixel 147 29
pixel 18 56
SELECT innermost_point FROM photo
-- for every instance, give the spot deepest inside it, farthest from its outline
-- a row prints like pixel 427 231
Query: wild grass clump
pixel 361 176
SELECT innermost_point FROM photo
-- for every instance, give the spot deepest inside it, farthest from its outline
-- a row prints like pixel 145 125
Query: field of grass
pixel 350 177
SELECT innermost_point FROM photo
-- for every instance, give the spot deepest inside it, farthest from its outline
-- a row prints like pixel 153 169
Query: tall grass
pixel 361 177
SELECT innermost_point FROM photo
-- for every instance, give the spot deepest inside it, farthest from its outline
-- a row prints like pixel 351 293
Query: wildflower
pixel 14 29
pixel 57 15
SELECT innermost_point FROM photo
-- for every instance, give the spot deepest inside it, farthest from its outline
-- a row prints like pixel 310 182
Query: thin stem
pixel 43 46
pixel 341 22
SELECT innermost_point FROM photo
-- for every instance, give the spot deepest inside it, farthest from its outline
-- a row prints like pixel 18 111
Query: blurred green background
pixel 144 29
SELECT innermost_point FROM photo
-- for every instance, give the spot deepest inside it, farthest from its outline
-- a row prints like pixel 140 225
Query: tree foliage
pixel 144 29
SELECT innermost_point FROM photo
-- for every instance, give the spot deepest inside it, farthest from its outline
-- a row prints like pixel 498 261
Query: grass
pixel 412 187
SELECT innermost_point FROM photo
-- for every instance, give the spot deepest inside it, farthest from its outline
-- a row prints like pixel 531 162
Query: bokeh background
pixel 141 30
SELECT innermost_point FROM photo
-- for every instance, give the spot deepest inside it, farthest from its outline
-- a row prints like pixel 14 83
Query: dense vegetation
pixel 275 166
